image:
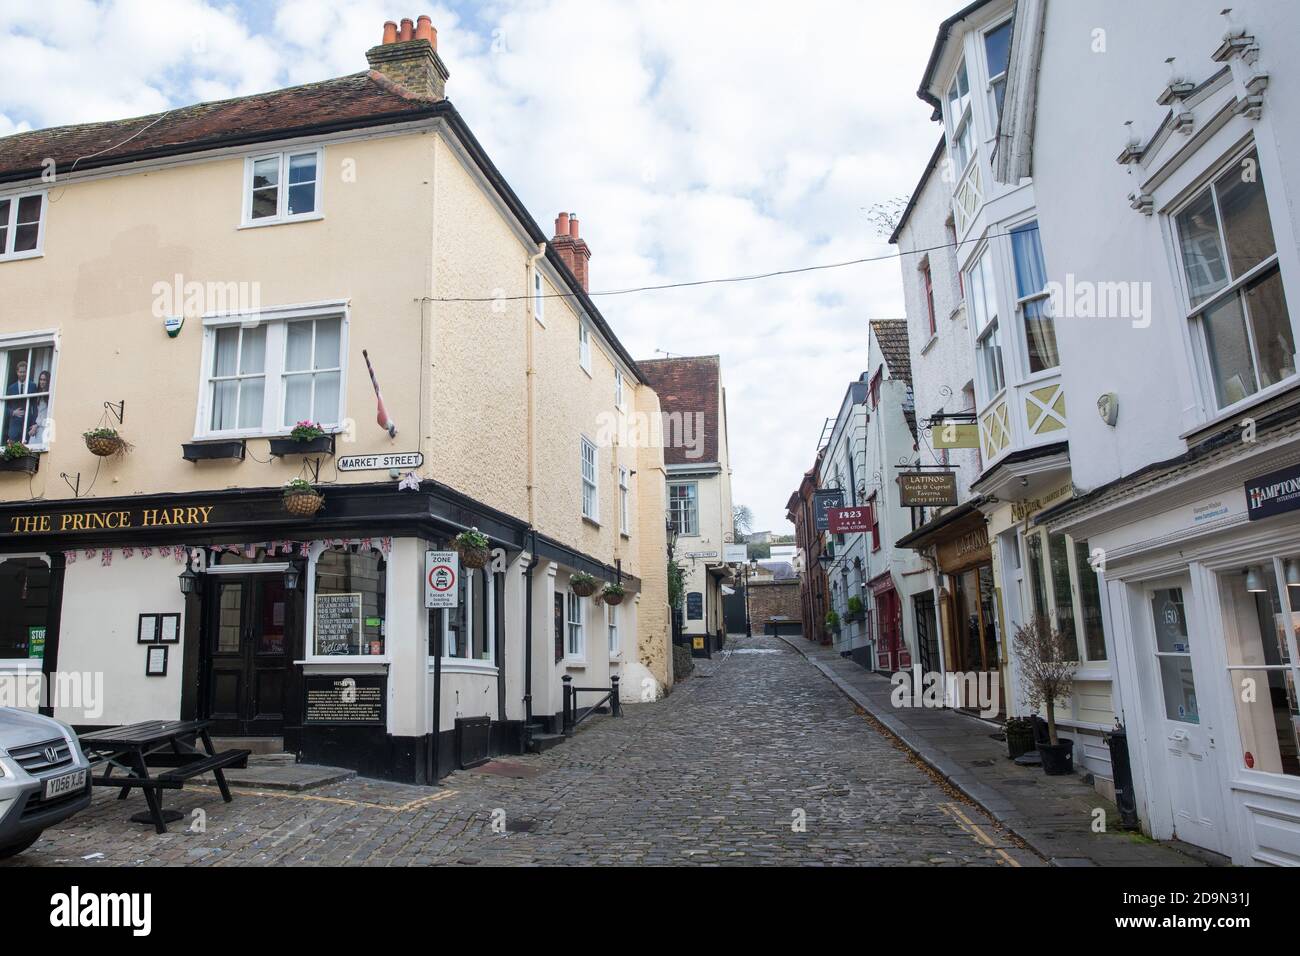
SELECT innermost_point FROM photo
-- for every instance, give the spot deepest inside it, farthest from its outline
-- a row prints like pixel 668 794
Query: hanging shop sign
pixel 400 460
pixel 823 501
pixel 955 435
pixel 1273 494
pixel 850 520
pixel 735 553
pixel 349 701
pixel 441 574
pixel 927 489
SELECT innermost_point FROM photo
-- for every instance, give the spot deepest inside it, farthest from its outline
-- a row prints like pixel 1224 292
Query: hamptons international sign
pixel 1273 494
pixel 927 489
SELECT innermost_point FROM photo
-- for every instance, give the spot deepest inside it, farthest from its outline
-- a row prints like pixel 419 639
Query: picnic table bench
pixel 135 748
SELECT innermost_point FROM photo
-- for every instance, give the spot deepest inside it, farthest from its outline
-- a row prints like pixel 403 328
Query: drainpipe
pixel 528 634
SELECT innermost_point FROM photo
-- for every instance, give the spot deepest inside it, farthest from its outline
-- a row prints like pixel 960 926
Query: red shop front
pixel 891 650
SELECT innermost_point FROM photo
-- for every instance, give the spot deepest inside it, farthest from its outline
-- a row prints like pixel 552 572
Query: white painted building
pixel 1174 241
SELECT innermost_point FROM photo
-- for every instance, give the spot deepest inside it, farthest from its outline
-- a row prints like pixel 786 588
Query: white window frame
pixel 624 523
pixel 611 623
pixel 591 481
pixel 282 194
pixel 309 614
pixel 47 338
pixel 1021 302
pixel 470 578
pixel 995 114
pixel 1234 288
pixel 693 530
pixel 982 291
pixel 273 395
pixel 11 226
pixel 618 388
pixel 575 633
pixel 584 346
pixel 539 297
pixel 963 124
pixel 1089 668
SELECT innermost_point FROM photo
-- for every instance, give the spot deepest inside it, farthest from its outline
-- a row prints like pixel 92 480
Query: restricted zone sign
pixel 441 574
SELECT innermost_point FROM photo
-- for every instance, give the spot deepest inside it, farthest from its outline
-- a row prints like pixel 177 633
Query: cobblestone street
pixel 756 758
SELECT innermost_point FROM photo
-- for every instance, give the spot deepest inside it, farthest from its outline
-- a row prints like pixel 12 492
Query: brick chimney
pixel 572 248
pixel 409 57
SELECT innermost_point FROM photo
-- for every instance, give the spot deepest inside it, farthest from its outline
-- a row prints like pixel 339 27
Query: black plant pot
pixel 1058 759
pixel 1020 739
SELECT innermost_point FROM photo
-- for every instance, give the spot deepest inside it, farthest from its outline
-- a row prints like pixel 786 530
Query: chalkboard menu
pixel 694 606
pixel 338 624
pixel 350 701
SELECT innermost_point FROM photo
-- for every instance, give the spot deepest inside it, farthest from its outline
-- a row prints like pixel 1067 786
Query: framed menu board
pixel 338 624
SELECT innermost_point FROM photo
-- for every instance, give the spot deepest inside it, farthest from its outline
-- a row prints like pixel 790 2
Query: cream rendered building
pixel 298 237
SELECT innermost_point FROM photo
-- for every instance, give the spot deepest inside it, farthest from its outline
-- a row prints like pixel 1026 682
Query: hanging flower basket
pixel 613 594
pixel 583 584
pixel 474 548
pixel 301 499
pixel 105 442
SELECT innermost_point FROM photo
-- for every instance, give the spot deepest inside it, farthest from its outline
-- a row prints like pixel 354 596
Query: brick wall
pixel 773 599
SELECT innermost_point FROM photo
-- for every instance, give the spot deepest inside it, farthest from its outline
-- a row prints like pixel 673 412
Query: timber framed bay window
pixel 1241 328
pixel 27 379
pixel 683 508
pixel 22 225
pixel 282 187
pixel 590 489
pixel 1063 588
pixel 575 637
pixel 468 632
pixel 348 603
pixel 984 310
pixel 1032 299
pixel 1261 625
pixel 265 372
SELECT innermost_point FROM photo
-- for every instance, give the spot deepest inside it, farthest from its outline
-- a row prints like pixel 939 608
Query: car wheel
pixel 13 849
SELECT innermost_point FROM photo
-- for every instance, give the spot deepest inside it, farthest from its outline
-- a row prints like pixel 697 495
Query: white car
pixel 44 777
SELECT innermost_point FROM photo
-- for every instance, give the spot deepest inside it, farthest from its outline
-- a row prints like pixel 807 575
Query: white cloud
pixel 692 139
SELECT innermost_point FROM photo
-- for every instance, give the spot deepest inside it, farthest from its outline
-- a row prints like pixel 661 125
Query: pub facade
pixel 354 269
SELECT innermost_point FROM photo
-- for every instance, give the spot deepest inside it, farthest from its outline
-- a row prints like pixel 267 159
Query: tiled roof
pixel 892 336
pixel 687 386
pixel 344 102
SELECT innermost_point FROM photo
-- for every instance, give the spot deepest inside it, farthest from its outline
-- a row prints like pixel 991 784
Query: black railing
pixel 573 715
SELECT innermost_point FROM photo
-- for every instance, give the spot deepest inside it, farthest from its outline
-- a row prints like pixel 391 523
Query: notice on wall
pixel 441 576
pixel 36 643
pixel 351 701
pixel 695 606
pixel 338 624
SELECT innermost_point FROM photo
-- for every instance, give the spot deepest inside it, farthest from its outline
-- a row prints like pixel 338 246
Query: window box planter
pixel 324 445
pixel 26 465
pixel 214 450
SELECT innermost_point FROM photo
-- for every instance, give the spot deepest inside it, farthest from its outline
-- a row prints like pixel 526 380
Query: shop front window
pixel 1063 588
pixel 24 594
pixel 468 630
pixel 1261 629
pixel 349 603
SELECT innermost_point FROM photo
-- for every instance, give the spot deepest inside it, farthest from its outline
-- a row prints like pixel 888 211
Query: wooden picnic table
pixel 134 748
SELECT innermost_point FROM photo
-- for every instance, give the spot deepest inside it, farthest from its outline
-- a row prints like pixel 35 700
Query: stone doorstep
pixel 990 800
pixel 280 774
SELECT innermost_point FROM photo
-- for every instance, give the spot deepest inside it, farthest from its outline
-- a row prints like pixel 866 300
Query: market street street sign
pixel 850 520
pixel 400 460
pixel 927 489
pixel 823 501
pixel 1273 494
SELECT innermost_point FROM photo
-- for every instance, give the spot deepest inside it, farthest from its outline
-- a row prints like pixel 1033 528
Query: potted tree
pixel 856 612
pixel 474 548
pixel 105 442
pixel 15 456
pixel 1046 676
pixel 613 593
pixel 833 622
pixel 583 584
pixel 301 499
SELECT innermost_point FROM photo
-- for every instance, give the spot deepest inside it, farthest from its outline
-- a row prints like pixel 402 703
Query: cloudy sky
pixel 693 138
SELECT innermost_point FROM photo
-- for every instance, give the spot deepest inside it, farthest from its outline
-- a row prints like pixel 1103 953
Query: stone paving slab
pixel 1053 815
